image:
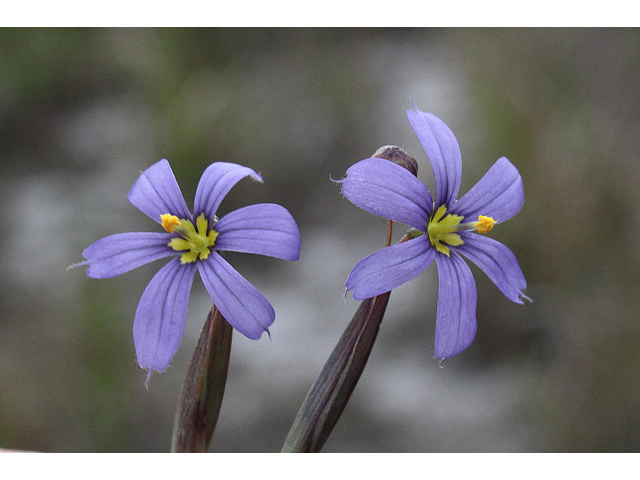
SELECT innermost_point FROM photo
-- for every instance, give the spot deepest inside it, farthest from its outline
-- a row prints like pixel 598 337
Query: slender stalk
pixel 331 391
pixel 203 389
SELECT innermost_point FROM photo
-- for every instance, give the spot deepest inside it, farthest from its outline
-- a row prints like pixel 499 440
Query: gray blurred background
pixel 83 111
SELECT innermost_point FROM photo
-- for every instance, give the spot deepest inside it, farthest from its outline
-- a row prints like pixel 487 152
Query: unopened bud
pixel 398 156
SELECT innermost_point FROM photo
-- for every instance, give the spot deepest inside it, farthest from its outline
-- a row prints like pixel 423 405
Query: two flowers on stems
pixel 443 229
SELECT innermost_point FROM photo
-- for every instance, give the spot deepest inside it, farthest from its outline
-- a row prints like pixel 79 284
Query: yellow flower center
pixel 442 229
pixel 196 240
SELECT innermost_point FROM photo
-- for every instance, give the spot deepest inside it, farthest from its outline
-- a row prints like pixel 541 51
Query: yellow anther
pixel 169 222
pixel 484 224
pixel 195 243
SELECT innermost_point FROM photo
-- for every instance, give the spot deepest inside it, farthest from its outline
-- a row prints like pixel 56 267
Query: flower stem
pixel 203 389
pixel 332 389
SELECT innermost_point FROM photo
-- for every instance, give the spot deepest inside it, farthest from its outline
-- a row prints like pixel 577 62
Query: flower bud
pixel 398 156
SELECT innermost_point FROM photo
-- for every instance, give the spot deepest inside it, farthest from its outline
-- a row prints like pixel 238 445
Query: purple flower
pixel 442 230
pixel 195 240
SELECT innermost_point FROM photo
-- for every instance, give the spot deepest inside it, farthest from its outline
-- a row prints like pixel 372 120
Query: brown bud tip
pixel 398 156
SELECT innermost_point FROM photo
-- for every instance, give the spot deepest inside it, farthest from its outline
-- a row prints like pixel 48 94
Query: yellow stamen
pixel 194 243
pixel 484 224
pixel 169 222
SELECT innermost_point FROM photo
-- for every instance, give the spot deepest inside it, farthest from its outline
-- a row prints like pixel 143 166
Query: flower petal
pixel 457 299
pixel 119 253
pixel 499 194
pixel 156 192
pixel 265 229
pixel 390 267
pixel 162 314
pixel 497 262
pixel 239 302
pixel 215 183
pixel 443 151
pixel 388 190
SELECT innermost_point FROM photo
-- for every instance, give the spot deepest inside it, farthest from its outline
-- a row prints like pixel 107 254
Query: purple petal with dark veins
pixel 162 314
pixel 499 194
pixel 388 190
pixel 443 151
pixel 457 299
pixel 390 267
pixel 215 183
pixel 498 262
pixel 156 192
pixel 119 253
pixel 239 302
pixel 265 229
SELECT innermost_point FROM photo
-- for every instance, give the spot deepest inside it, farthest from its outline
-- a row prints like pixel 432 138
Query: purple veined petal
pixel 122 252
pixel 239 302
pixel 457 299
pixel 390 267
pixel 499 194
pixel 443 151
pixel 388 190
pixel 265 229
pixel 156 192
pixel 215 183
pixel 498 262
pixel 162 314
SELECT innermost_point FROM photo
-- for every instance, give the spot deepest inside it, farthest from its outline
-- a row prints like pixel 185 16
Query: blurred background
pixel 83 111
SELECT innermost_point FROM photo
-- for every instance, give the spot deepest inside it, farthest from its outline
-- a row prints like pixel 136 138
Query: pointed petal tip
pixel 150 372
pixel 337 181
pixel 81 264
pixel 354 295
pixel 257 177
pixel 146 382
pixel 524 298
pixel 442 352
pixel 253 334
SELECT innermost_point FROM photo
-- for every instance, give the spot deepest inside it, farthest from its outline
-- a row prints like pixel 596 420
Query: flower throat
pixel 442 229
pixel 196 240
